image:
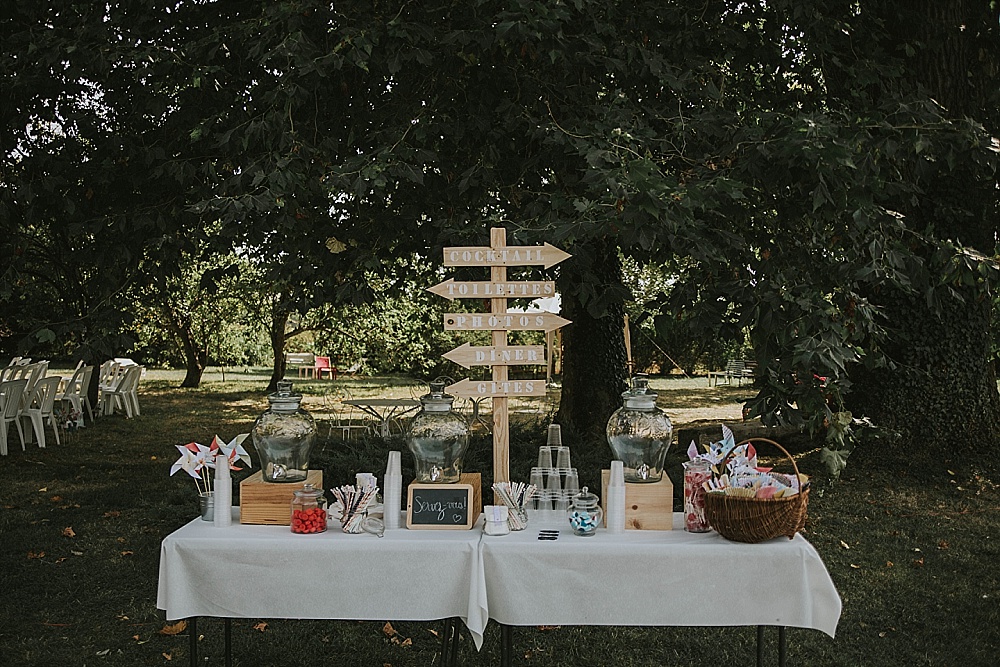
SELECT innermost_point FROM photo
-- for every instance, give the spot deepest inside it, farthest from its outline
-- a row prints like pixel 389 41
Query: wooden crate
pixel 270 503
pixel 647 506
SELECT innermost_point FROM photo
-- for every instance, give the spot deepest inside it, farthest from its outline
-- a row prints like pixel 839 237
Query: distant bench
pixel 303 361
pixel 735 370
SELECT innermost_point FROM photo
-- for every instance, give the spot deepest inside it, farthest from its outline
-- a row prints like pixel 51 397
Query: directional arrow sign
pixel 495 355
pixel 487 388
pixel 545 255
pixel 503 322
pixel 534 289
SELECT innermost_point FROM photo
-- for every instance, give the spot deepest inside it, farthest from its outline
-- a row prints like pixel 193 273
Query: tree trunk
pixel 594 362
pixel 195 357
pixel 279 320
pixel 941 402
pixel 940 405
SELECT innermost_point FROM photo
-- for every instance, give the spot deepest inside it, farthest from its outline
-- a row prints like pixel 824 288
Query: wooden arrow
pixel 494 355
pixel 487 388
pixel 503 322
pixel 533 289
pixel 546 255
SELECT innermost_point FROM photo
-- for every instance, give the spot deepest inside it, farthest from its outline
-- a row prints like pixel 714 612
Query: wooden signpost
pixel 498 256
pixel 467 356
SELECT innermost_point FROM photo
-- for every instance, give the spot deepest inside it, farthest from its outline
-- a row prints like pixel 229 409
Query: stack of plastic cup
pixel 392 492
pixel 554 478
pixel 615 509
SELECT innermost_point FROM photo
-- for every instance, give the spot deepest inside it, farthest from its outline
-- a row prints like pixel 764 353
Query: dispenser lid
pixel 284 399
pixel 639 396
pixel 437 400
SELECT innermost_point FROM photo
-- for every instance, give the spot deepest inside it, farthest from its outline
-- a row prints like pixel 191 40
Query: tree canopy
pixel 822 175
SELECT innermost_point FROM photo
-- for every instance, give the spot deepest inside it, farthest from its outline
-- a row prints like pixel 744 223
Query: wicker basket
pixel 755 520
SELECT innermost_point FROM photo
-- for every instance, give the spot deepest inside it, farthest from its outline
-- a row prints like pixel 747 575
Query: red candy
pixel 309 521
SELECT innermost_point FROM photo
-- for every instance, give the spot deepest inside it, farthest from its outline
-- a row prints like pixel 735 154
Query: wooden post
pixel 501 426
pixel 498 256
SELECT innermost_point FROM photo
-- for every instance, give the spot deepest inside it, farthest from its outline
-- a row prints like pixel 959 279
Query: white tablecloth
pixel 647 578
pixel 246 571
pixel 656 578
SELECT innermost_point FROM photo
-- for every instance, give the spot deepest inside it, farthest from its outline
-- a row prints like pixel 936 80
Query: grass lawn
pixel 81 525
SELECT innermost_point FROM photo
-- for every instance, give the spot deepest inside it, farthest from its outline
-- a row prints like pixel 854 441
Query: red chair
pixel 323 365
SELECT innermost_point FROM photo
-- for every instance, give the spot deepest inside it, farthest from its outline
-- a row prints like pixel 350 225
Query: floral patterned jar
pixel 696 473
pixel 640 433
pixel 284 436
pixel 438 438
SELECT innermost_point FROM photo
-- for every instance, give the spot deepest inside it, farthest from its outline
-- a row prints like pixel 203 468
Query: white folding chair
pixel 124 394
pixel 10 409
pixel 39 408
pixel 75 393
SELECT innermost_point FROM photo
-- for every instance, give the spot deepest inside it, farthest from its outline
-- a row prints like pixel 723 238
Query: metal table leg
pixel 449 642
pixel 506 645
pixel 781 646
pixel 760 646
pixel 193 640
pixel 456 635
pixel 229 642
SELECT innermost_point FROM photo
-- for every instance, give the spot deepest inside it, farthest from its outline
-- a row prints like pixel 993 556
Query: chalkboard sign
pixel 439 506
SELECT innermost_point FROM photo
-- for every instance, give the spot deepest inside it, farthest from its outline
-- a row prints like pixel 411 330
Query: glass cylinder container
pixel 696 473
pixel 640 434
pixel 585 513
pixel 438 438
pixel 308 510
pixel 284 436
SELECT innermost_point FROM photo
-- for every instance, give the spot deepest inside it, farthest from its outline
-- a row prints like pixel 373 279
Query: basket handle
pixel 784 451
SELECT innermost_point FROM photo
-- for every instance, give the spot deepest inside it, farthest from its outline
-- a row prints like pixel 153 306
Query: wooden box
pixel 270 503
pixel 473 479
pixel 647 506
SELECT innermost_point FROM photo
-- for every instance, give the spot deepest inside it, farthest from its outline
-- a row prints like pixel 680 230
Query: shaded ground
pixel 81 525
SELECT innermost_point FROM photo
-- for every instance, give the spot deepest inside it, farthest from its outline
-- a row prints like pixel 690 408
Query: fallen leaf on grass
pixel 433 632
pixel 167 656
pixel 889 563
pixel 260 627
pixel 112 514
pixel 845 545
pixel 59 560
pixel 388 630
pixel 32 555
pixel 56 499
pixel 68 532
pixel 126 553
pixel 855 567
pixel 918 563
pixel 76 553
pixel 547 628
pixel 121 540
pixel 43 489
pixel 175 629
pixel 943 544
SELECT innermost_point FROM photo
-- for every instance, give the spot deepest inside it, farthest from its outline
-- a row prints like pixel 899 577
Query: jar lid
pixel 437 400
pixel 308 491
pixel 638 396
pixel 284 399
pixel 585 500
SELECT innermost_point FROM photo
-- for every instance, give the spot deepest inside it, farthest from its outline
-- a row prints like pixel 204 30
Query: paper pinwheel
pixel 197 460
